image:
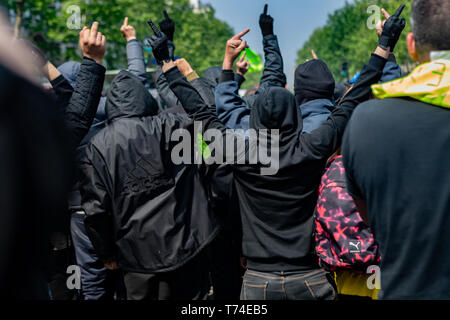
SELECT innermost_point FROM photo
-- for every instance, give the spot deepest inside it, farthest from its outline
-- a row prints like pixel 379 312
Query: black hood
pixel 128 98
pixel 212 74
pixel 313 80
pixel 275 108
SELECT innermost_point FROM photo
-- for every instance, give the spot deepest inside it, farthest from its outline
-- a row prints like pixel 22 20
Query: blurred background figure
pixel 34 173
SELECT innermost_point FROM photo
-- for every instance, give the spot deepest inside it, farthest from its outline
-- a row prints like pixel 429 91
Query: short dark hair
pixel 430 21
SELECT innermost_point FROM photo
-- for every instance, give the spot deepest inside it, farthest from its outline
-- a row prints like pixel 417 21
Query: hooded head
pixel 313 80
pixel 275 108
pixel 70 70
pixel 128 98
pixel 212 74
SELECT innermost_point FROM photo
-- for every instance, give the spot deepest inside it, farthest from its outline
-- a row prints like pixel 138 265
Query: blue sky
pixel 295 20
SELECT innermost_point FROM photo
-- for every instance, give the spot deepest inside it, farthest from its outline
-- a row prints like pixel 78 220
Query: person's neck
pixel 424 57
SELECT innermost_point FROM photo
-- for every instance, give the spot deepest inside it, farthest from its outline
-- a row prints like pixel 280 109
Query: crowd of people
pixel 357 179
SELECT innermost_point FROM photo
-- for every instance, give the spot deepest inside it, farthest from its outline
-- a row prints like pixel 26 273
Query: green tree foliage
pixel 347 37
pixel 199 37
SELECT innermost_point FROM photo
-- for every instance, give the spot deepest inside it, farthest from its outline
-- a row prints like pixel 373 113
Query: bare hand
pixel 128 31
pixel 184 67
pixel 314 55
pixel 93 43
pixel 233 49
pixel 242 65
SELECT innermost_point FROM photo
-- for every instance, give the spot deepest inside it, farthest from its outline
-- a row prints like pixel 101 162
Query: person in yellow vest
pixel 395 150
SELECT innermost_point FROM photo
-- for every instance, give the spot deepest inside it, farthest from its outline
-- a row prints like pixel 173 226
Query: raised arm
pixel 61 87
pixel 231 109
pixel 83 104
pixel 326 139
pixel 80 105
pixel 203 87
pixel 273 74
pixel 190 99
pixel 135 55
pixel 171 101
pixel 392 70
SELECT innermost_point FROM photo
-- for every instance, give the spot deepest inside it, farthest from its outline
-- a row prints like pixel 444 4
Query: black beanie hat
pixel 313 80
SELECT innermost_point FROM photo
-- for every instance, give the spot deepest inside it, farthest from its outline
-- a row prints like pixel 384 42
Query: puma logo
pixel 355 245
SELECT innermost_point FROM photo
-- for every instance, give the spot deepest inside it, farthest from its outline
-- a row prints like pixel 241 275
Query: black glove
pixel 159 43
pixel 167 26
pixel 392 30
pixel 266 23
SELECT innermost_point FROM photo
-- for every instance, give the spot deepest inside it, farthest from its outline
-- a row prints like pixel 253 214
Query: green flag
pixel 256 64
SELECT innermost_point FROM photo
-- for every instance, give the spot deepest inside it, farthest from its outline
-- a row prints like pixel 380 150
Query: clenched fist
pixel 128 31
pixel 93 43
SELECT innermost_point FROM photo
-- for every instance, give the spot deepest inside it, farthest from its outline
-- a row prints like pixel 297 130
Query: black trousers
pixel 190 282
pixel 226 272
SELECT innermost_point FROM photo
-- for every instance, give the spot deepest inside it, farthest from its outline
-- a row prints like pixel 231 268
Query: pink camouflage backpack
pixel 343 240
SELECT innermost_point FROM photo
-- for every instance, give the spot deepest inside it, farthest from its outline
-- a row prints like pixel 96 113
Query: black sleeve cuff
pixel 239 79
pixel 173 75
pixel 227 75
pixel 56 82
pixel 377 61
pixel 392 58
pixel 91 62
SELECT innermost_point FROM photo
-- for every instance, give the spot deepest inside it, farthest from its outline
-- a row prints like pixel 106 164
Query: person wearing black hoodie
pixel 395 153
pixel 314 90
pixel 98 283
pixel 145 214
pixel 277 210
pixel 232 109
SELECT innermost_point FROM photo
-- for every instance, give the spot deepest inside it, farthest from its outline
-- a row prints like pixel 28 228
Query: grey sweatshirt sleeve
pixel 135 59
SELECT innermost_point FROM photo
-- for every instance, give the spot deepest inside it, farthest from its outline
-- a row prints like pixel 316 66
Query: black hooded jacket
pixel 141 208
pixel 277 210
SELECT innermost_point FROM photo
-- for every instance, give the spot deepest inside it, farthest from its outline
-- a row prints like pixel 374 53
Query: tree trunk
pixel 19 16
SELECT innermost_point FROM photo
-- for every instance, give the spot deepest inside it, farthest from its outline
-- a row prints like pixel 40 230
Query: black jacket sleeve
pixel 166 95
pixel 63 91
pixel 192 101
pixel 96 202
pixel 240 79
pixel 273 74
pixel 205 90
pixel 81 109
pixel 324 141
